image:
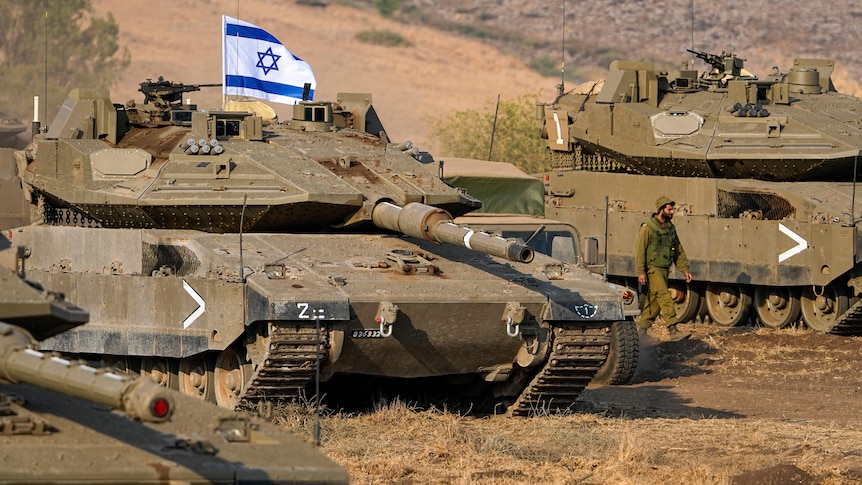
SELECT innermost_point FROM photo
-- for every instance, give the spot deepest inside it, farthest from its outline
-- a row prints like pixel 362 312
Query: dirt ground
pixel 741 373
pixel 746 375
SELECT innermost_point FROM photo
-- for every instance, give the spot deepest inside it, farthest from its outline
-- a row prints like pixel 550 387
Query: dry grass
pixel 664 429
pixel 399 444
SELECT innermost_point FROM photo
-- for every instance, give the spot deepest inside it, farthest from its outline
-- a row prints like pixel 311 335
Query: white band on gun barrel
pixel 467 239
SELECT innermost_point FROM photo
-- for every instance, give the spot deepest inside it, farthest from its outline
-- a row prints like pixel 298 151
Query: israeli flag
pixel 256 64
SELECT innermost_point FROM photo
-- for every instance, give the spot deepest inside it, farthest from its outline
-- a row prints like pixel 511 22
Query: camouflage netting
pixel 746 205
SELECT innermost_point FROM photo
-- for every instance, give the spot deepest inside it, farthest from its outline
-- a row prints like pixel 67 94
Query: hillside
pixel 764 33
pixel 450 68
pixel 438 74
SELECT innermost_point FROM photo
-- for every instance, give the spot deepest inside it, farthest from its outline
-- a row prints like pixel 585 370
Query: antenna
pixel 494 128
pixel 241 221
pixel 692 33
pixel 317 380
pixel 45 105
pixel 853 199
pixel 563 53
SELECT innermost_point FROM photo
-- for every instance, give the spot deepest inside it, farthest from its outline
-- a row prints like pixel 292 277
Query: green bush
pixel 545 66
pixel 383 37
pixel 467 134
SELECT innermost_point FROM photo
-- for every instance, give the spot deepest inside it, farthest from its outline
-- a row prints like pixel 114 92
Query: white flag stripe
pixel 257 64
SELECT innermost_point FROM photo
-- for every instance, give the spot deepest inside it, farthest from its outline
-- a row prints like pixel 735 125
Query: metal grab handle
pixel 509 331
pixel 383 326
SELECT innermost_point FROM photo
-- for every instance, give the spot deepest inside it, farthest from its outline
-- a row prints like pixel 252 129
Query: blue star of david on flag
pixel 256 64
pixel 263 55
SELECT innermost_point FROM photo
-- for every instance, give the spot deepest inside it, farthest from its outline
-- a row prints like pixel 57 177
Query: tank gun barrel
pixel 436 225
pixel 140 397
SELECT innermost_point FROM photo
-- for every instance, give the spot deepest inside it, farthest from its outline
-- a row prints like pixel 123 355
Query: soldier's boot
pixel 676 334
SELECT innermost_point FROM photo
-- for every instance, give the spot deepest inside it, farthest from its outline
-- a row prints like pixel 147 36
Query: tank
pixel 763 173
pixel 242 260
pixel 120 428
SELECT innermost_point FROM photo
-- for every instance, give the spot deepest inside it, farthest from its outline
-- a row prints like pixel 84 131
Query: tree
pixel 467 134
pixel 52 46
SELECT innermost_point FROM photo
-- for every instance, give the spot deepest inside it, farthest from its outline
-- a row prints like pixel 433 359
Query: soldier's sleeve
pixel 640 249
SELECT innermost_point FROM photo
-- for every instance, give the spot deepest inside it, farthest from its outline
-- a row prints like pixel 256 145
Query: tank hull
pixel 385 305
pixel 752 238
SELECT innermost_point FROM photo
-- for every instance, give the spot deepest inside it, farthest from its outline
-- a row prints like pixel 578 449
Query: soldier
pixel 657 248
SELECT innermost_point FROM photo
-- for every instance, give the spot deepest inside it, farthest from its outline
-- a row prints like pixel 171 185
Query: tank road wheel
pixel 231 374
pixel 728 304
pixel 196 377
pixel 822 306
pixel 161 370
pixel 686 300
pixel 119 364
pixel 622 361
pixel 776 306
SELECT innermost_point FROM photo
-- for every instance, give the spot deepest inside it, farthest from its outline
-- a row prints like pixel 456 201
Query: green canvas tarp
pixel 502 187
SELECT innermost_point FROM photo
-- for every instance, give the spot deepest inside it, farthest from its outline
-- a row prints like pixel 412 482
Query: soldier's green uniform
pixel 656 249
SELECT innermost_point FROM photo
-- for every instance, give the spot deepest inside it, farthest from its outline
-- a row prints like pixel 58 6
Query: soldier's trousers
pixel 657 299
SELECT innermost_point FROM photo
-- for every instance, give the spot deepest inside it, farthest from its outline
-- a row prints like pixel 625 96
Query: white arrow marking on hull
pixel 202 306
pixel 801 244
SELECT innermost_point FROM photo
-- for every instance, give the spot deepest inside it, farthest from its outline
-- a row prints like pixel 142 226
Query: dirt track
pixel 741 373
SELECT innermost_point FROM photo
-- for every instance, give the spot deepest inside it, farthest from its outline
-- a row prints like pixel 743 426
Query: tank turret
pixel 167 165
pixel 722 123
pixel 238 258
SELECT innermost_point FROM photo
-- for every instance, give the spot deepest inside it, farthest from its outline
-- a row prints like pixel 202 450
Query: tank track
pixel 578 352
pixel 850 323
pixel 289 363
